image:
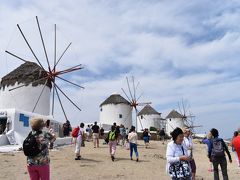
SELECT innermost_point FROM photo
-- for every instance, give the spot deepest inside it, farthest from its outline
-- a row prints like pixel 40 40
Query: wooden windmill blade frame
pixel 52 73
pixel 133 98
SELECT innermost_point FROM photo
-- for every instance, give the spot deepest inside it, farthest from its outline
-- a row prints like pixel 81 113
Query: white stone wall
pixel 109 114
pixel 18 131
pixel 25 98
pixel 172 123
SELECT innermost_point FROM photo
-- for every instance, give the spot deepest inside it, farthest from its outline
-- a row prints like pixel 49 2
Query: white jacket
pixel 174 151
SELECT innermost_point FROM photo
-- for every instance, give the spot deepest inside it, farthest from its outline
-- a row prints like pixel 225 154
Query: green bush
pixel 153 129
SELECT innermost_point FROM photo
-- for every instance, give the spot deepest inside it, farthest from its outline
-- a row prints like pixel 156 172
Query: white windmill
pixel 26 91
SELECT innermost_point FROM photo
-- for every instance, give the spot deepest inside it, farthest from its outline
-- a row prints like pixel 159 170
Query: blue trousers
pixel 133 147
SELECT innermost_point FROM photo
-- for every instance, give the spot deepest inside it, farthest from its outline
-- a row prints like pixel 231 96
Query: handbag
pixel 180 169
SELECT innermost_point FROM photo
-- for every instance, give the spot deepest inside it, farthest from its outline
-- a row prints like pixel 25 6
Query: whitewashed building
pixel 149 117
pixel 174 119
pixel 115 109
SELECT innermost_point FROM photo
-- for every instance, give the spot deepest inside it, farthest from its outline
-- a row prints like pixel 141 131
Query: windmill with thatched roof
pixel 174 119
pixel 115 109
pixel 150 118
pixel 25 98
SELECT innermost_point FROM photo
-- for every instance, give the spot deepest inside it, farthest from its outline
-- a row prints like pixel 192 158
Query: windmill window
pixel 120 116
pixel 141 116
pixel 100 109
pixel 169 119
pixel 3 124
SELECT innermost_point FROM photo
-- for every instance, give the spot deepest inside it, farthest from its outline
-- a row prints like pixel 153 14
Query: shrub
pixel 153 129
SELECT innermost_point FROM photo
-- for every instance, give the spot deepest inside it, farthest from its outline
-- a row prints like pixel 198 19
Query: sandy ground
pixel 96 164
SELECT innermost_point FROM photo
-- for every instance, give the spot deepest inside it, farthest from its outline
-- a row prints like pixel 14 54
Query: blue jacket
pixel 210 146
pixel 207 142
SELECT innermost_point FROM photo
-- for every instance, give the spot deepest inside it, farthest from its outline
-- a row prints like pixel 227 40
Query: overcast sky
pixel 175 49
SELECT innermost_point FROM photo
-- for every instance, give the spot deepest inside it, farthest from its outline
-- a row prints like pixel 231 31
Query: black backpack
pixel 217 148
pixel 31 146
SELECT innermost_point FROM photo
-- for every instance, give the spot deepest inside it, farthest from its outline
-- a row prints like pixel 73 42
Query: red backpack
pixel 75 132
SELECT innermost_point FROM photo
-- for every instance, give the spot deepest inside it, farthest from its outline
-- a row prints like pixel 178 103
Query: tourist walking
pixel 67 128
pixel 178 166
pixel 102 132
pixel 88 133
pixel 123 134
pixel 236 146
pixel 189 144
pixel 162 135
pixel 207 141
pixel 158 134
pixel 216 154
pixel 117 133
pixel 95 129
pixel 35 147
pixel 146 137
pixel 127 132
pixel 132 138
pixel 79 140
pixel 112 142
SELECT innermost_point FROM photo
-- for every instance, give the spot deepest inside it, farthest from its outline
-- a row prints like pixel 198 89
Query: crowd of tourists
pixel 180 165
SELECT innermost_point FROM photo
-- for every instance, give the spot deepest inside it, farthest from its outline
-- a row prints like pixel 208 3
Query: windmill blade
pixel 179 108
pixel 184 110
pixel 197 126
pixel 74 68
pixel 143 104
pixel 134 89
pixel 190 116
pixel 138 118
pixel 16 56
pixel 129 89
pixel 28 84
pixel 126 95
pixel 65 115
pixel 29 46
pixel 53 88
pixel 187 123
pixel 66 96
pixel 54 68
pixel 70 82
pixel 45 51
pixel 139 96
pixel 39 97
pixel 55 47
pixel 137 86
pixel 62 55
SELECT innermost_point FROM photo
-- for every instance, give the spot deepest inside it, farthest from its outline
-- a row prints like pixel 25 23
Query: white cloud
pixel 181 49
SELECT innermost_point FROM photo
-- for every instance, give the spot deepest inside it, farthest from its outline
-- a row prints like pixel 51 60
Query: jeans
pixel 133 146
pixel 223 163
